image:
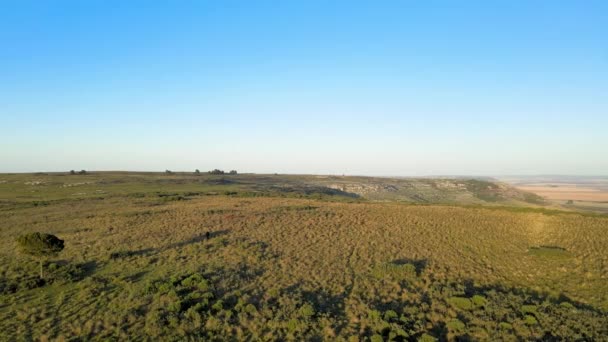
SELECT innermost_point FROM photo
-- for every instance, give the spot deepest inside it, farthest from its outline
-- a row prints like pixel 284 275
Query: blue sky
pixel 356 87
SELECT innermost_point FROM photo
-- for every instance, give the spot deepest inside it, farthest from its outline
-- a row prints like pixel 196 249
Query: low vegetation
pixel 138 264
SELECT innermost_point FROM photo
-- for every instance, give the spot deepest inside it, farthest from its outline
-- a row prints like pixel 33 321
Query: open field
pixel 295 259
pixel 569 192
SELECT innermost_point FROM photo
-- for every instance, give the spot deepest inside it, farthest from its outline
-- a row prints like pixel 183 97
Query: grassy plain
pixel 557 192
pixel 291 259
pixel 568 192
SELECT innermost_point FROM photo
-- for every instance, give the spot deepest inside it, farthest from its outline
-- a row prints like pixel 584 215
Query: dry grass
pixel 286 268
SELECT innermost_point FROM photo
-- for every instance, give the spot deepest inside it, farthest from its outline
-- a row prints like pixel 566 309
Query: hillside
pixel 292 260
pixel 42 186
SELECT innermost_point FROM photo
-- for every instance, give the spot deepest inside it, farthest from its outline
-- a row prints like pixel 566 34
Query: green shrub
pixel 528 309
pixel 479 301
pixel 175 306
pixel 292 325
pixel 461 303
pixel 456 326
pixel 390 315
pixel 426 338
pixel 567 305
pixel 307 310
pixel 218 306
pixel 530 320
pixel 250 309
pixel 505 326
pixel 376 338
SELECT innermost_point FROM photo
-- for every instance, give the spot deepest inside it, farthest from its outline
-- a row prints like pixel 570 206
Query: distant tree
pixel 82 172
pixel 216 172
pixel 233 172
pixel 168 172
pixel 570 202
pixel 72 172
pixel 197 172
pixel 40 246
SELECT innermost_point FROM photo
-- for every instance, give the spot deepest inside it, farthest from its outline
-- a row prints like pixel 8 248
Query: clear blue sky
pixel 355 87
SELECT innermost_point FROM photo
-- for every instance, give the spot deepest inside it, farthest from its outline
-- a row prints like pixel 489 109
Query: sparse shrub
pixel 390 315
pixel 505 326
pixel 479 301
pixel 529 309
pixel 40 246
pixel 567 305
pixel 530 320
pixel 376 338
pixel 218 306
pixel 461 303
pixel 307 310
pixel 426 338
pixel 250 309
pixel 456 326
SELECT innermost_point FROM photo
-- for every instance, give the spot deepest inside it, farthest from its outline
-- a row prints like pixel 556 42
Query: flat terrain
pixel 296 258
pixel 569 192
pixel 575 193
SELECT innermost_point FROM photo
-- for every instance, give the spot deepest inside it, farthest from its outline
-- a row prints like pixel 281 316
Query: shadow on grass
pixel 419 264
pixel 199 238
pixel 153 251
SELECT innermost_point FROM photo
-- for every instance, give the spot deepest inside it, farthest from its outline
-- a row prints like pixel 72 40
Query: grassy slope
pixel 300 268
pixel 54 186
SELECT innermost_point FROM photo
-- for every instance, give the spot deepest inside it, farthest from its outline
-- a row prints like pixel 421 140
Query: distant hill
pixel 55 186
pixel 432 190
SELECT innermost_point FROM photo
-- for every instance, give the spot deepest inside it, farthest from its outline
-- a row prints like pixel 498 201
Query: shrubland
pixel 137 264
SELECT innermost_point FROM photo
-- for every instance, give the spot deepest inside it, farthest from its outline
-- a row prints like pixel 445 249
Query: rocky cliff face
pixel 428 190
pixel 363 189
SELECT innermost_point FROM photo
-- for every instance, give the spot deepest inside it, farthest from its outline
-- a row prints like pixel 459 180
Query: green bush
pixel 376 338
pixel 479 301
pixel 530 320
pixel 567 305
pixel 505 326
pixel 529 309
pixel 456 326
pixel 426 338
pixel 307 310
pixel 390 315
pixel 461 303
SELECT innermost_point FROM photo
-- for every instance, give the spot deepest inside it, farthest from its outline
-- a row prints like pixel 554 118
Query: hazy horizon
pixel 176 171
pixel 397 89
